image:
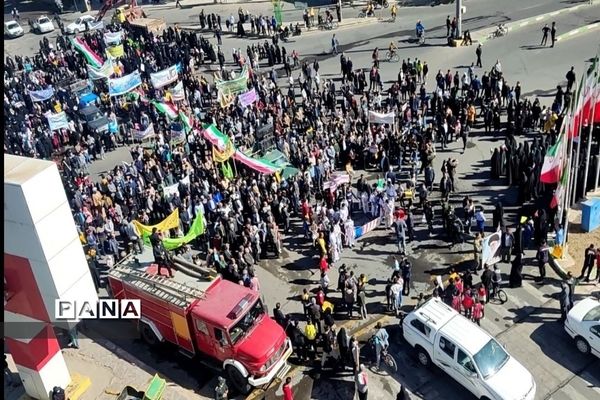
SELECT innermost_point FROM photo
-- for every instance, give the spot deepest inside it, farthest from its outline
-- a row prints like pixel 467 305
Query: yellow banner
pixel 171 222
pixel 222 156
pixel 225 100
pixel 116 51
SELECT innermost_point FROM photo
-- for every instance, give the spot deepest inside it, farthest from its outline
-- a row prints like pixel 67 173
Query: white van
pixel 467 353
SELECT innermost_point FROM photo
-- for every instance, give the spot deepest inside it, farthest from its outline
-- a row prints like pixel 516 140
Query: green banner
pixel 196 230
pixel 277 12
pixel 234 86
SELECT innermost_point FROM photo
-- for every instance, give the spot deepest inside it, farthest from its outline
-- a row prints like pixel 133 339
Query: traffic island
pixel 574 32
pixel 346 22
pixel 483 35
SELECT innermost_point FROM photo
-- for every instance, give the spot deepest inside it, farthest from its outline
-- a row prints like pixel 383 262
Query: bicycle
pixel 386 357
pixel 498 296
pixel 328 26
pixel 392 57
pixel 499 32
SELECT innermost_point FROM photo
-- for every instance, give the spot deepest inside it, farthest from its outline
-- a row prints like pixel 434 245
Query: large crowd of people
pixel 320 125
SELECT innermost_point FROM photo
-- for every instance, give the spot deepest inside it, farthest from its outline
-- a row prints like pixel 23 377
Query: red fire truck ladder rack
pixel 162 287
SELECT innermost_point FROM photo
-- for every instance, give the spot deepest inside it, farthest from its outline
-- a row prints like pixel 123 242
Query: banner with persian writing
pixel 166 76
pixel 139 134
pixel 247 98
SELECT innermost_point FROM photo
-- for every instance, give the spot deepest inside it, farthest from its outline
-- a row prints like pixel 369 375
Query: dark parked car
pixel 94 118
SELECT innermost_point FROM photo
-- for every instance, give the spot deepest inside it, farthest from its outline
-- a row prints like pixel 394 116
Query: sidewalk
pixel 109 370
pixel 346 22
pixel 578 241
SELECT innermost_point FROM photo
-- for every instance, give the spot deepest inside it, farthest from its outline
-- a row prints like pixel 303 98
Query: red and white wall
pixel 43 261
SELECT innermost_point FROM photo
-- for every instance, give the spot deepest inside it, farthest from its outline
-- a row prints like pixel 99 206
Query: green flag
pixel 277 12
pixel 196 230
pixel 226 170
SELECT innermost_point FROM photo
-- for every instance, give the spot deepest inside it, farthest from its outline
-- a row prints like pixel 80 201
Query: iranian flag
pixel 560 191
pixel 553 162
pixel 186 121
pixel 585 102
pixel 92 58
pixel 216 137
pixel 166 108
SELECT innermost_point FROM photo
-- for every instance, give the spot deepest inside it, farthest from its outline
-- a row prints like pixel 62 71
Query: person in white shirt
pixel 362 383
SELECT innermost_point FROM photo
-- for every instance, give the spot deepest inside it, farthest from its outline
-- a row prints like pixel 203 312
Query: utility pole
pixel 458 19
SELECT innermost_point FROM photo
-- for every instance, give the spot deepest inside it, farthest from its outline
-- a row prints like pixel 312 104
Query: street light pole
pixel 458 19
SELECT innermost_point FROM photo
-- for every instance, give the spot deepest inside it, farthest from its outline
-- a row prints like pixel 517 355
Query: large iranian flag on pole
pixel 553 161
pixel 585 100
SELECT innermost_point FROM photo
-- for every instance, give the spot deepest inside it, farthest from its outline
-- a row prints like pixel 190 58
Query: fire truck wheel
pixel 238 381
pixel 148 335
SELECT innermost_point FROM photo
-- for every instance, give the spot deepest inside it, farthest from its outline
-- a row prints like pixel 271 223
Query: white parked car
pixel 42 24
pixel 12 29
pixel 83 23
pixel 467 353
pixel 583 325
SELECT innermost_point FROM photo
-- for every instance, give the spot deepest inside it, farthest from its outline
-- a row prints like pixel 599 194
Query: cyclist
pixel 381 339
pixel 394 11
pixel 392 49
pixel 501 30
pixel 369 10
pixel 496 280
pixel 419 30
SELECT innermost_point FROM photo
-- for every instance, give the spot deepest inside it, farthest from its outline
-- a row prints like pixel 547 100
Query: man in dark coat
pixel 486 281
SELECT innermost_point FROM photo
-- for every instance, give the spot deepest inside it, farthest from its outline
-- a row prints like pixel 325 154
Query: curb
pixel 555 265
pixel 482 35
pixel 355 22
pixel 577 31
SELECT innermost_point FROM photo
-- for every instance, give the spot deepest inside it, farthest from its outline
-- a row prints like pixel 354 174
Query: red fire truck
pixel 225 324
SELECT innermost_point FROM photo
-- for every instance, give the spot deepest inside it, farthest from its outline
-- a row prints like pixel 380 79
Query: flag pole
pixel 570 180
pixel 597 173
pixel 589 144
pixel 565 209
pixel 586 90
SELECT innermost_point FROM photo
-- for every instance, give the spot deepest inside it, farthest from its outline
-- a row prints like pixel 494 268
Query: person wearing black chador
pixel 516 272
pixel 495 172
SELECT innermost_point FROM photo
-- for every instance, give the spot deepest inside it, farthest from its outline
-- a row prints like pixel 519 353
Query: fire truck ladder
pixel 167 289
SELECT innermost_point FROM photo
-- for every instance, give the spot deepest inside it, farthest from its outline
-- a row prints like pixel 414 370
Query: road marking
pixel 576 31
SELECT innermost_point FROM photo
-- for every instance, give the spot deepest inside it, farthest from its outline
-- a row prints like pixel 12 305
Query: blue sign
pixel 127 83
pixel 41 95
pixel 590 215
